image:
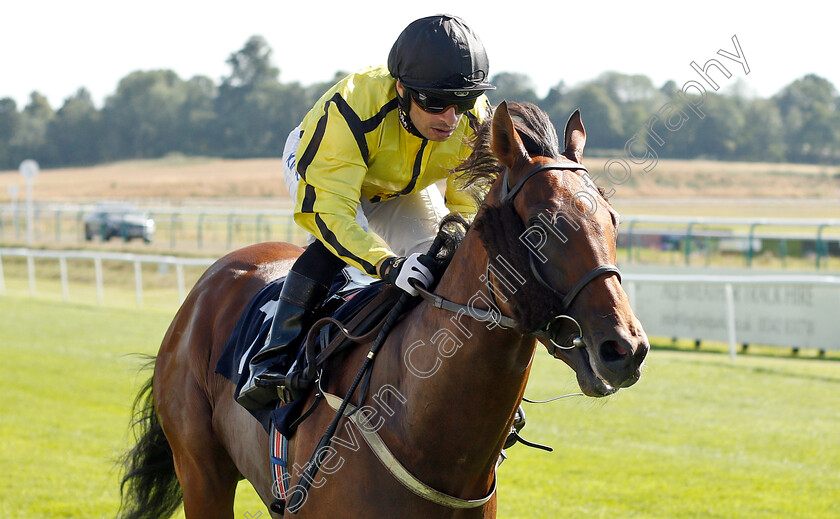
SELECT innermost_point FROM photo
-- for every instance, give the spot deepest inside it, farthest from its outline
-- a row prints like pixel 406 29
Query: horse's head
pixel 545 220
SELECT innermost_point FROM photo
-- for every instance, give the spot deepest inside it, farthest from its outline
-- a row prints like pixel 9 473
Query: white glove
pixel 402 272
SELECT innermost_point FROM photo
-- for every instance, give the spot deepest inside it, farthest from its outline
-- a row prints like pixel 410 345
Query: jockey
pixel 362 168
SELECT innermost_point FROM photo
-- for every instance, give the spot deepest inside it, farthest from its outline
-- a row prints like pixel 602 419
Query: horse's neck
pixel 465 374
pixel 484 344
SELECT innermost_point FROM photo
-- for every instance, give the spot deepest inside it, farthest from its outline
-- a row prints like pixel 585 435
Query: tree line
pixel 249 112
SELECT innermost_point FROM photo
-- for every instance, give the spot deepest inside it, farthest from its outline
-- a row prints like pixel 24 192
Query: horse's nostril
pixel 612 351
pixel 641 353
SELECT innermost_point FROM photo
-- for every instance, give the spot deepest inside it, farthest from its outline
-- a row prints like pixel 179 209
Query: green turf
pixel 67 381
pixel 698 437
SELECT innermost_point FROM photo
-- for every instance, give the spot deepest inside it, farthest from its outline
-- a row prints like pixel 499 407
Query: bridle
pixel 549 331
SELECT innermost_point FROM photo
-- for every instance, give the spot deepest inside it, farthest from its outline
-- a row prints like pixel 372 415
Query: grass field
pixel 68 380
pixel 698 437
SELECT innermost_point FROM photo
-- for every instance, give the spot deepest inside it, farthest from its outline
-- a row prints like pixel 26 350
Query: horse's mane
pixel 500 227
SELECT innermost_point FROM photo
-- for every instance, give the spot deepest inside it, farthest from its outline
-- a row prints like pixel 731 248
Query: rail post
pixel 179 273
pixel 708 241
pixel 65 284
pixel 730 318
pixel 750 249
pixel 783 252
pixel 16 221
pixel 36 231
pixel 630 241
pixel 80 226
pixel 138 283
pixel 200 229
pixel 820 244
pixel 30 270
pixel 58 225
pixel 172 230
pixel 100 289
pixel 688 243
pixel 230 231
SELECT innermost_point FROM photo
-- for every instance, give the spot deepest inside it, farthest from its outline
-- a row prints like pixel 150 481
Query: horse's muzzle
pixel 604 366
pixel 620 359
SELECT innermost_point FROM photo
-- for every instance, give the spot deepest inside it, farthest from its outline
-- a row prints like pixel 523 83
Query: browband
pixel 509 193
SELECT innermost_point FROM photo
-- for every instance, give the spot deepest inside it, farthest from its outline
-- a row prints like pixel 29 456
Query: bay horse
pixel 536 266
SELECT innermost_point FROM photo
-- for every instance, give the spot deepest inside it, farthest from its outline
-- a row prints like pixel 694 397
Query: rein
pixel 297 499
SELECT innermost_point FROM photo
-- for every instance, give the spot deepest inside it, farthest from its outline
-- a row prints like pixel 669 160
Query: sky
pixel 56 47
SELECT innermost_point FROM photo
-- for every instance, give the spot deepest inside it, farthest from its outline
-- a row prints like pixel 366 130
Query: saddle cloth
pixel 349 293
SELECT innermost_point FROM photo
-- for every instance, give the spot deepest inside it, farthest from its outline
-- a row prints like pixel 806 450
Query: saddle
pixel 352 312
pixel 357 319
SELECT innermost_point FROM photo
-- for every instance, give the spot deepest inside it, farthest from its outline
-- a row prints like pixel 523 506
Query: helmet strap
pixel 404 105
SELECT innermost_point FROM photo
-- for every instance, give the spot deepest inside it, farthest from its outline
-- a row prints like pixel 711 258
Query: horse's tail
pixel 149 488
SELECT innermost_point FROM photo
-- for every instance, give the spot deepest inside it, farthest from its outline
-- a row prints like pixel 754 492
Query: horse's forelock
pixel 535 129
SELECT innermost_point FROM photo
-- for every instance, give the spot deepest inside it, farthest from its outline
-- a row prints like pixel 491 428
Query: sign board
pixel 29 169
pixel 775 314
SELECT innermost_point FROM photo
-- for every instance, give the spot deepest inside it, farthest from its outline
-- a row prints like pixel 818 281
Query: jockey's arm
pixel 329 192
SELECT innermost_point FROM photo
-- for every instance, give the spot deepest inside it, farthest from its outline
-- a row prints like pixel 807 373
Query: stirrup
pixel 269 379
pixel 518 423
pixel 254 397
pixel 289 387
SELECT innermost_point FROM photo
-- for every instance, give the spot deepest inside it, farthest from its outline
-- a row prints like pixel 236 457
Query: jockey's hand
pixel 404 272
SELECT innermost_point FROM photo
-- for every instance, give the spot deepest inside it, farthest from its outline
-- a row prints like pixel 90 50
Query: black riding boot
pixel 298 299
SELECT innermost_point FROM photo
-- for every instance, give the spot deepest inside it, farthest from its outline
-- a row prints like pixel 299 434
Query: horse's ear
pixel 575 138
pixel 506 144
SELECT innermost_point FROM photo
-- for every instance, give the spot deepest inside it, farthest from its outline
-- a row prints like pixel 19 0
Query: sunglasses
pixel 435 102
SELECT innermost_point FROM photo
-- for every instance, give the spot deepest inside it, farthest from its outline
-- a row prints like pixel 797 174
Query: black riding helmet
pixel 441 59
pixel 441 54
